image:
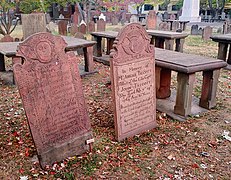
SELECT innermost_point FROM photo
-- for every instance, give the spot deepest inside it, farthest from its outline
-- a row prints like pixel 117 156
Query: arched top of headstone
pixel 41 47
pixel 131 43
pixel 82 22
pixel 102 17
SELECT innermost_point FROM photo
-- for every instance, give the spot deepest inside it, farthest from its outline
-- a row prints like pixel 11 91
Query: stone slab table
pixel 224 47
pixel 186 65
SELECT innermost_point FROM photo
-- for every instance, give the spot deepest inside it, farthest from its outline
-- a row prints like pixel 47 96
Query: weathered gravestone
pixel 52 27
pixel 79 35
pixel 172 17
pixel 91 26
pixel 175 25
pixel 62 27
pixel 76 16
pixel 226 27
pixel 134 19
pixel 194 30
pixel 101 25
pixel 74 29
pixel 164 26
pixel 83 27
pixel 33 23
pixel 123 18
pixel 151 20
pixel 133 82
pixel 50 87
pixel 114 19
pixel 207 33
pixel 165 15
pixel 200 30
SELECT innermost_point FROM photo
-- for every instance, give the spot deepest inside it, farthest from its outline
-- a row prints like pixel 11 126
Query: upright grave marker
pixel 207 33
pixel 151 20
pixel 133 82
pixel 62 27
pixel 91 26
pixel 50 87
pixel 101 25
pixel 83 27
pixel 33 23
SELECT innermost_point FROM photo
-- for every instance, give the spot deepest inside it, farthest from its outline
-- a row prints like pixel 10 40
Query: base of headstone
pixel 103 59
pixel 191 19
pixel 167 106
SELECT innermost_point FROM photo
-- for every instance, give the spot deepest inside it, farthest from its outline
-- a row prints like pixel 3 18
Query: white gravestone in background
pixel 190 11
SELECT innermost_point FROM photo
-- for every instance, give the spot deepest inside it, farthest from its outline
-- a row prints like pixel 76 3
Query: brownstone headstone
pixel 74 29
pixel 33 23
pixel 7 38
pixel 91 26
pixel 62 27
pixel 83 28
pixel 101 25
pixel 50 87
pixel 75 16
pixel 151 20
pixel 114 20
pixel 175 25
pixel 172 17
pixel 79 35
pixel 207 33
pixel 164 26
pixel 133 82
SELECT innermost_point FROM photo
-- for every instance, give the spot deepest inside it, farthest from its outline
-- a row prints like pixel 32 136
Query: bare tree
pixel 216 7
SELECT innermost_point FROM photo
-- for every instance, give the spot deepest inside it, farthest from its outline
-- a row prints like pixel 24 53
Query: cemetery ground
pixel 194 149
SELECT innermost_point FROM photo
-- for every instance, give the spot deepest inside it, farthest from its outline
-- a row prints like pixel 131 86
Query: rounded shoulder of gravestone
pixel 131 39
pixel 41 46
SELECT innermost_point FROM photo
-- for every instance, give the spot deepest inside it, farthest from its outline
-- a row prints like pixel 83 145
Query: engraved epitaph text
pixel 133 77
pixel 50 86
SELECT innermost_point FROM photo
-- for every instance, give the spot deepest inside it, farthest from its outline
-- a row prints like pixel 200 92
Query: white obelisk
pixel 190 11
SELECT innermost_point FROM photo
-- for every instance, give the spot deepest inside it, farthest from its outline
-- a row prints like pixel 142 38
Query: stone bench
pixel 186 65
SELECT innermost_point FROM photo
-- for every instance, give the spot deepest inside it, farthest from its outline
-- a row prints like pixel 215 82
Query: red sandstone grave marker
pixel 62 27
pixel 50 87
pixel 207 33
pixel 151 20
pixel 83 27
pixel 74 29
pixel 101 25
pixel 133 82
pixel 91 26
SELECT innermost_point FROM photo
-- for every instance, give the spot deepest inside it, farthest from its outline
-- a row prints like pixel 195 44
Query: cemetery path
pixel 174 150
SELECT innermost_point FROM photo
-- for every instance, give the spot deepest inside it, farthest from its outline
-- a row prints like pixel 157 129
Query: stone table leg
pixel 2 63
pixel 97 46
pixel 179 45
pixel 229 56
pixel 109 45
pixel 184 93
pixel 152 40
pixel 222 51
pixel 169 43
pixel 88 58
pixel 209 89
pixel 163 82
